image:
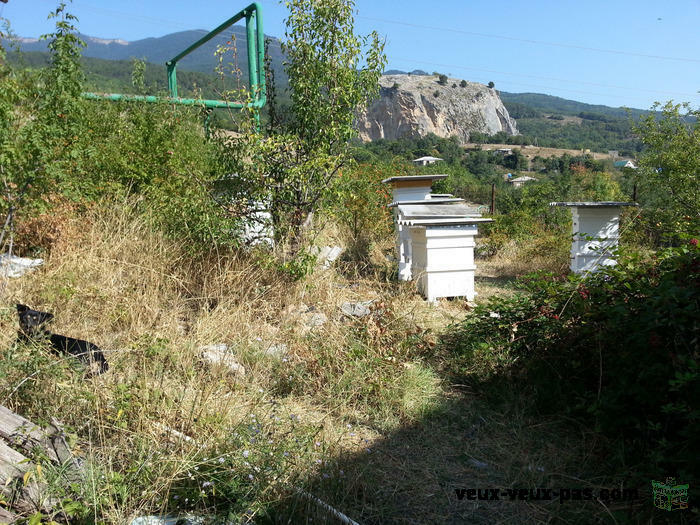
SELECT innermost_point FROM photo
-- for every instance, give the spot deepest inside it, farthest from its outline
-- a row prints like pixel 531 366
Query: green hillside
pixel 556 122
pixel 114 76
pixel 556 105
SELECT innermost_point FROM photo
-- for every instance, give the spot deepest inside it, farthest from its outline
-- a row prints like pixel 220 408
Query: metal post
pixel 493 198
pixel 172 78
pixel 252 63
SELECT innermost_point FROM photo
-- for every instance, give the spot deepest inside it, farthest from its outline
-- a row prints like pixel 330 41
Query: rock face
pixel 408 107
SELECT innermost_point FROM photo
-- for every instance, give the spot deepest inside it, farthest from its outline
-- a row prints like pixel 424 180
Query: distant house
pixel 504 151
pixel 620 164
pixel 424 161
pixel 519 181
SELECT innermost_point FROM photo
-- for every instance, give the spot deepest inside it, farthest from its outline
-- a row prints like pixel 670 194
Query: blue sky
pixel 615 52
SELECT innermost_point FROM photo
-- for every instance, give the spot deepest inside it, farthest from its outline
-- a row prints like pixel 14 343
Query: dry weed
pixel 164 431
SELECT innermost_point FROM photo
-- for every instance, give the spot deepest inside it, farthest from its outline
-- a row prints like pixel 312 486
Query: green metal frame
pixel 255 40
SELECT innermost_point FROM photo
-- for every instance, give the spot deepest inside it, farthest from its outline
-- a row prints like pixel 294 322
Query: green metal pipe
pixel 172 80
pixel 256 57
pixel 252 64
pixel 170 100
pixel 253 20
pixel 261 92
pixel 211 34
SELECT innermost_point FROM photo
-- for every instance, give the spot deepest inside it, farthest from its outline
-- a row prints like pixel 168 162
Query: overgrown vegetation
pixel 617 349
pixel 139 217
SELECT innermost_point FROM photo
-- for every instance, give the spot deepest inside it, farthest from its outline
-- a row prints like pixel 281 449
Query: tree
pixel 491 85
pixel 669 174
pixel 39 115
pixel 463 83
pixel 332 75
pixel 64 79
pixel 442 80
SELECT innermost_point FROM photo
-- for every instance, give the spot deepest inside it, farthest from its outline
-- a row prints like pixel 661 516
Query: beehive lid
pixel 600 204
pixel 413 180
pixel 444 222
pixel 430 202
pixel 436 211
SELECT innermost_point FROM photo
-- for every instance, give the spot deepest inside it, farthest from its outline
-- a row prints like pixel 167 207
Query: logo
pixel 668 496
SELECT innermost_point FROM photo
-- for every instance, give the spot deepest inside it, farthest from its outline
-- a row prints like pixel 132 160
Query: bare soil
pixel 532 151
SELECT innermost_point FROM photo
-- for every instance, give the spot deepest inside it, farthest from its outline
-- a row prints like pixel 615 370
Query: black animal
pixel 31 328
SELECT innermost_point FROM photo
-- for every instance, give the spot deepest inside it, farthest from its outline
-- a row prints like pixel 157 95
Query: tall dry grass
pixel 353 410
pixel 110 278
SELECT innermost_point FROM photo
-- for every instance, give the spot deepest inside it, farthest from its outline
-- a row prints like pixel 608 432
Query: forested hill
pixel 114 76
pixel 161 49
pixel 550 121
pixel 548 104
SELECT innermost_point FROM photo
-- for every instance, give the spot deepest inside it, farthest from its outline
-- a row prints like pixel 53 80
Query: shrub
pixel 617 350
pixel 668 175
pixel 442 80
pixel 463 83
pixel 436 93
pixel 360 207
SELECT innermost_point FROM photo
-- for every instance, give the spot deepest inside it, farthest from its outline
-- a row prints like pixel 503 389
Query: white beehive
pixel 443 255
pixel 596 233
pixel 408 188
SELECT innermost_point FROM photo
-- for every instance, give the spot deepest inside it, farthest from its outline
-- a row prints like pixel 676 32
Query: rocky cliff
pixel 413 106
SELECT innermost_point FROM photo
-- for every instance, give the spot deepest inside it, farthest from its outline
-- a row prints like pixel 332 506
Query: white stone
pixel 168 519
pixel 313 319
pixel 326 255
pixel 13 266
pixel 277 350
pixel 220 355
pixel 478 464
pixel 359 309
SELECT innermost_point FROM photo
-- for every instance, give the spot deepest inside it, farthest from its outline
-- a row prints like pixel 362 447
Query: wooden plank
pixel 6 517
pixel 26 498
pixel 21 432
pixel 12 464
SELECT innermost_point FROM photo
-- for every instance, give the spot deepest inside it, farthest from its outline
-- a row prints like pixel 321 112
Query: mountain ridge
pixel 541 118
pixel 158 50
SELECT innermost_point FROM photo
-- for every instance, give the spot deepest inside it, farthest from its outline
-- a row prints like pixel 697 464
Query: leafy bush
pixel 360 204
pixel 669 171
pixel 57 147
pixel 617 349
